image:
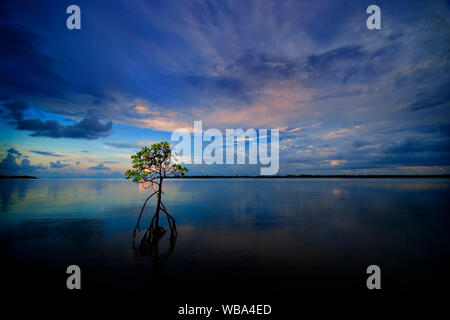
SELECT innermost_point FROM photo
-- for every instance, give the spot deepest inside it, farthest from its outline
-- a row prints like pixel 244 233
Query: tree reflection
pixel 149 244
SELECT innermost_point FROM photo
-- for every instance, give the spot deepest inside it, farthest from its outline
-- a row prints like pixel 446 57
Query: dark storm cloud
pixel 99 167
pixel 46 153
pixel 88 128
pixel 58 165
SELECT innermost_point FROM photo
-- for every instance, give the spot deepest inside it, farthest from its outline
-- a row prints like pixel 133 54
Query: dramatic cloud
pixel 99 167
pixel 344 97
pixel 88 128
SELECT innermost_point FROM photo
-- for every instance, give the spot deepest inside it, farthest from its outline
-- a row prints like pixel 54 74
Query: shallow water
pixel 240 238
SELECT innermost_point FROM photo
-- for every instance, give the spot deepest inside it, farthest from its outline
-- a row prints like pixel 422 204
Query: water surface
pixel 240 238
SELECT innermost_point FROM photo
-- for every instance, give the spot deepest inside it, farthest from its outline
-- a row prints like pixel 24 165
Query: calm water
pixel 236 238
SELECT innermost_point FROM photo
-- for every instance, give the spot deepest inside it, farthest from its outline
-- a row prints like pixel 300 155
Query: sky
pixel 346 99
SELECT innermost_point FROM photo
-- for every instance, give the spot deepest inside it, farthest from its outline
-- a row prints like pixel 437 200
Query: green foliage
pixel 153 164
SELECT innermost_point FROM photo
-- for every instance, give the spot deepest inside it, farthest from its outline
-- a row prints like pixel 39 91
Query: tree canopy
pixel 154 164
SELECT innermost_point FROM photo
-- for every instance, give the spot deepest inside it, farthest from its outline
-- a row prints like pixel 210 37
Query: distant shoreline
pixel 316 176
pixel 17 177
pixel 303 176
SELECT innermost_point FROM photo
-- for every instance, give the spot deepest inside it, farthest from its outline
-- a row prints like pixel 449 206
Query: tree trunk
pixel 142 210
pixel 158 206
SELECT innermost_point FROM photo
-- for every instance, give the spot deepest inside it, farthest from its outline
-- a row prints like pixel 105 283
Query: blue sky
pixel 347 100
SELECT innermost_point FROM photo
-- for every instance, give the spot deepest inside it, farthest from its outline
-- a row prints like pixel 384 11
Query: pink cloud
pixel 274 107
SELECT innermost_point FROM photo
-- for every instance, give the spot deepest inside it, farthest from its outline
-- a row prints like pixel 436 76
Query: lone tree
pixel 150 167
